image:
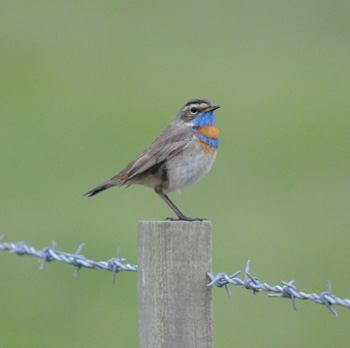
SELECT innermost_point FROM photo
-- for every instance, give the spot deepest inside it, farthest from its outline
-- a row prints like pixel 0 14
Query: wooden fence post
pixel 175 305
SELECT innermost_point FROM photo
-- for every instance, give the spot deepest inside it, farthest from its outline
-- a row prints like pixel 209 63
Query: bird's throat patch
pixel 209 131
pixel 205 128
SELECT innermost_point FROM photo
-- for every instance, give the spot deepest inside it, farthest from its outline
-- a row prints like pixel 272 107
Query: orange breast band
pixel 209 131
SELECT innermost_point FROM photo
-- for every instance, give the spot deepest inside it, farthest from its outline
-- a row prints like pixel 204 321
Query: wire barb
pixel 48 254
pixel 288 290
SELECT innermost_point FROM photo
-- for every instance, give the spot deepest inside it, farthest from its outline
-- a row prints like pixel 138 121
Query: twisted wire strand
pixel 116 265
pixel 48 254
pixel 288 290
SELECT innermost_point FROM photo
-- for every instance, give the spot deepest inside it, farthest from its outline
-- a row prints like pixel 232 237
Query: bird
pixel 178 158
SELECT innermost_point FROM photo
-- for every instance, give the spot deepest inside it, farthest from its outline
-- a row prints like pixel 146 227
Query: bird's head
pixel 197 112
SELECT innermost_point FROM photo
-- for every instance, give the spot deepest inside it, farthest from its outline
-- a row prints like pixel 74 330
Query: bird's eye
pixel 194 110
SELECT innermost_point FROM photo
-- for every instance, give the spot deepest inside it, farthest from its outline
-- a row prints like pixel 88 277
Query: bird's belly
pixel 188 167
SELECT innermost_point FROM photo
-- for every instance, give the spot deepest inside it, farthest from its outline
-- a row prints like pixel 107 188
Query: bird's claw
pixel 184 218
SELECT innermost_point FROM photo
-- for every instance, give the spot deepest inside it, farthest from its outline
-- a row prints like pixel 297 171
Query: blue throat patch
pixel 205 119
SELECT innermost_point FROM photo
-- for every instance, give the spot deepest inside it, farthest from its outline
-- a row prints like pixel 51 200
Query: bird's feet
pixel 184 218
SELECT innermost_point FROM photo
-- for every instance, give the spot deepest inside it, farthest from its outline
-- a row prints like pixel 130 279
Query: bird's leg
pixel 175 209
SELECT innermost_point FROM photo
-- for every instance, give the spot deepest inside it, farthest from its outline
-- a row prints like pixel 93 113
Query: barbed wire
pixel 288 290
pixel 116 265
pixel 48 254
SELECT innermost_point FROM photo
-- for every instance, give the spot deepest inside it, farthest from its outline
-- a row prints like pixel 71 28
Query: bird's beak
pixel 211 108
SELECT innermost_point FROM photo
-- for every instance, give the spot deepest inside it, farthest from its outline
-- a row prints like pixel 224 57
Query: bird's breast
pixel 190 165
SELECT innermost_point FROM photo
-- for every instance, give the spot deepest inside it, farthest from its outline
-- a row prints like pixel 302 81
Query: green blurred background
pixel 87 85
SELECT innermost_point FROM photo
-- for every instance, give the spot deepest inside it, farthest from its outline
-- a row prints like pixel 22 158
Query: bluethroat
pixel 179 157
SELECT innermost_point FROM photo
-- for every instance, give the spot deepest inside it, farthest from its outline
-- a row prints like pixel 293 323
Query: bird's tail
pixel 118 180
pixel 99 189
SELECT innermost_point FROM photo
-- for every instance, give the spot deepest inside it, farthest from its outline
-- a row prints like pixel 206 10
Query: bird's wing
pixel 169 143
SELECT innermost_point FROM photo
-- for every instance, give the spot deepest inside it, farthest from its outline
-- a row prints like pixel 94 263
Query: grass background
pixel 87 85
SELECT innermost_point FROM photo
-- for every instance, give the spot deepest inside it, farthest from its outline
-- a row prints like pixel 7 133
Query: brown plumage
pixel 145 168
pixel 174 160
